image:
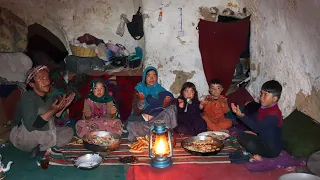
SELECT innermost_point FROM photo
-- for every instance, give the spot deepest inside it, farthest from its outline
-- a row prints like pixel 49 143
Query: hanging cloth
pixel 221 45
pixel 135 27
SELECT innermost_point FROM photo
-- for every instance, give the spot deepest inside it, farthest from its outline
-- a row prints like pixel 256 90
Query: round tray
pixel 97 148
pixel 218 143
pixel 88 161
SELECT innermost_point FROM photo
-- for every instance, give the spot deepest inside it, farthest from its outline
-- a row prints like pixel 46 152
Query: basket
pixel 82 52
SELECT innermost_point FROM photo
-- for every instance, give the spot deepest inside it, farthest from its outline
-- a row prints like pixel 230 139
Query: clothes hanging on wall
pixel 221 45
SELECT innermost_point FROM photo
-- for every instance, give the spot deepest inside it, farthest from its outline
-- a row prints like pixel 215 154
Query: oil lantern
pixel 160 146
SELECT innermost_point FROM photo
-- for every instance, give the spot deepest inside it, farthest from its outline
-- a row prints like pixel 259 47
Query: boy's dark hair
pixel 188 85
pixel 215 81
pixel 273 87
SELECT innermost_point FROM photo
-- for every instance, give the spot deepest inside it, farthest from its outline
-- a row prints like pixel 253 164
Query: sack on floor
pixel 300 134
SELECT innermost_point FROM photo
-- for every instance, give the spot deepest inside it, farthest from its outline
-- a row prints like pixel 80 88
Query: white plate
pixel 213 133
pixel 88 161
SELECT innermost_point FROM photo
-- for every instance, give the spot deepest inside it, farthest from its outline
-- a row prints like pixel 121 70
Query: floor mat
pixel 284 160
pixel 72 151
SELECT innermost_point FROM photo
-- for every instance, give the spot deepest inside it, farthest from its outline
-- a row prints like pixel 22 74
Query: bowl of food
pixel 216 134
pixel 88 161
pixel 202 145
pixel 101 141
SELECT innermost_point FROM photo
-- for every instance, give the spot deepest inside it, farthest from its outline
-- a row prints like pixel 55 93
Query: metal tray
pixel 88 161
pixel 217 142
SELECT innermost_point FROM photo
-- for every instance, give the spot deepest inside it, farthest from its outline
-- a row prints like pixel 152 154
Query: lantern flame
pixel 161 145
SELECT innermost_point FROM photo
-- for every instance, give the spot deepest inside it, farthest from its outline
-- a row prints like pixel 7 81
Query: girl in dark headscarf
pixel 189 107
pixel 100 112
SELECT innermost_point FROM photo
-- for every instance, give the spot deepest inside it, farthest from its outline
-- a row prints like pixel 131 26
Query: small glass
pixel 44 163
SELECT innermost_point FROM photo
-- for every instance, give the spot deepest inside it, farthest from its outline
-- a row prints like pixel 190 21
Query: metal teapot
pixel 4 169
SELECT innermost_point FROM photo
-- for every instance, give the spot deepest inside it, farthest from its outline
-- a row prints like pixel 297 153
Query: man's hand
pixel 236 110
pixel 68 100
pixel 181 103
pixel 59 105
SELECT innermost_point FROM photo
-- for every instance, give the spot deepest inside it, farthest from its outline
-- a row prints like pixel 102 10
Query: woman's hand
pixel 140 96
pixel 236 110
pixel 87 115
pixel 181 103
pixel 166 102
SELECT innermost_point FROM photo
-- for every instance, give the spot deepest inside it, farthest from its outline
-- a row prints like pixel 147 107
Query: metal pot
pixel 299 176
pixel 217 143
pixel 98 148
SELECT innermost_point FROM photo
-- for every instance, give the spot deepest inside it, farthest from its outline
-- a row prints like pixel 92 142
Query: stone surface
pixel 285 45
pixel 14 66
pixel 68 19
pixel 177 58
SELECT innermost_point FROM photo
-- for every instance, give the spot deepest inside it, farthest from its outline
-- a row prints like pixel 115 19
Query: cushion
pixel 300 134
pixel 239 97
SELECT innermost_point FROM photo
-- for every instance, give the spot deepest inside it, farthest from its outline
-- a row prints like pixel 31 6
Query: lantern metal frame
pixel 160 161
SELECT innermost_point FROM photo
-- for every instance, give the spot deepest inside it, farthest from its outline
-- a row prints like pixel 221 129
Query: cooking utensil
pixel 88 161
pixel 99 148
pixel 313 163
pixel 216 141
pixel 299 176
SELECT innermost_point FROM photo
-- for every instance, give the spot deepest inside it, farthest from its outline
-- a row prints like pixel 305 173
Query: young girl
pixel 190 121
pixel 99 112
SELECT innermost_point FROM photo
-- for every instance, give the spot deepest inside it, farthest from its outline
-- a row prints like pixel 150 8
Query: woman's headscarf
pixel 154 90
pixel 105 98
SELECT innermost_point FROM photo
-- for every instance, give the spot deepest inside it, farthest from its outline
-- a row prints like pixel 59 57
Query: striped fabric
pixel 72 151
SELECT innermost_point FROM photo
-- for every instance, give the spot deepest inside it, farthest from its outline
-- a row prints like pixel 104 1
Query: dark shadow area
pixel 44 47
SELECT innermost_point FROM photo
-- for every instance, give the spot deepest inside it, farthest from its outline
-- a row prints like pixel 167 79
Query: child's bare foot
pixel 256 158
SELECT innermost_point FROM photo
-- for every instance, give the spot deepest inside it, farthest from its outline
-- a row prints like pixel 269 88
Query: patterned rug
pixel 72 151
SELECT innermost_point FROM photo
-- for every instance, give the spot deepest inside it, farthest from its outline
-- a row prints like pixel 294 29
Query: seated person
pixel 151 104
pixel 265 122
pixel 215 108
pixel 34 128
pixel 189 118
pixel 99 112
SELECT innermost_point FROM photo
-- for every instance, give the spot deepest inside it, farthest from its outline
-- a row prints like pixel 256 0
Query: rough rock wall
pixel 177 58
pixel 285 41
pixel 68 19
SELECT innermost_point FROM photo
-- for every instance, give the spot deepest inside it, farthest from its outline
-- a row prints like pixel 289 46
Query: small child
pixel 266 123
pixel 215 108
pixel 99 111
pixel 189 117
